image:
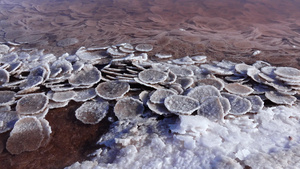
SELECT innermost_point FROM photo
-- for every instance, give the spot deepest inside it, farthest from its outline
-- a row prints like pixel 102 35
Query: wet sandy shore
pixel 230 29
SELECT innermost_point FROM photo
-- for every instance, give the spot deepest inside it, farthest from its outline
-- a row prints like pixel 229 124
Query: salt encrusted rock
pixel 60 67
pixel 112 89
pixel 4 49
pixel 181 105
pixel 159 95
pixel 217 69
pixel 7 120
pixel 4 76
pixel 128 108
pixel 201 92
pixel 144 47
pixel 46 131
pixel 184 61
pixel 212 109
pixel 280 98
pixel 239 89
pixel 67 42
pixel 89 75
pixel 257 103
pixel 260 64
pixel 171 78
pixel 225 104
pixel 236 78
pixel 10 57
pixel 199 59
pixel 115 53
pixel 159 109
pixel 87 56
pixel 7 97
pixel 185 82
pixel 163 56
pixel 77 66
pixel 181 71
pixel 32 103
pixel 239 105
pixel 92 112
pixel 242 68
pixel 288 72
pixel 63 96
pixel 176 87
pixel 27 135
pixel 152 76
pixel 216 82
pixel 53 105
pixel 154 86
pixel 84 95
pixel 265 77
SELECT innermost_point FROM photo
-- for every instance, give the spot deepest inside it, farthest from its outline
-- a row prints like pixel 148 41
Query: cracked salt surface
pixel 267 139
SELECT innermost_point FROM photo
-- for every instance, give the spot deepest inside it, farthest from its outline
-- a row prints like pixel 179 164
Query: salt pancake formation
pixel 122 79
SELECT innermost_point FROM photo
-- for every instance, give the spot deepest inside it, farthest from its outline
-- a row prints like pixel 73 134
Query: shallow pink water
pixel 230 29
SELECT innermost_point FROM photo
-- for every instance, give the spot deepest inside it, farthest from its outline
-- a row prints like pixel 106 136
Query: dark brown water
pixel 230 29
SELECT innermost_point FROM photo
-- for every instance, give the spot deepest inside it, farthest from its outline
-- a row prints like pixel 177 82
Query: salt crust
pixel 89 75
pixel 159 95
pixel 27 135
pixel 201 92
pixel 112 89
pixel 239 89
pixel 179 104
pixel 258 142
pixel 152 76
pixel 92 112
pixel 32 103
pixel 128 108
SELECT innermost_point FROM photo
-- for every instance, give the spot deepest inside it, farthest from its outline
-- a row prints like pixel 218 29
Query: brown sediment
pixel 71 141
